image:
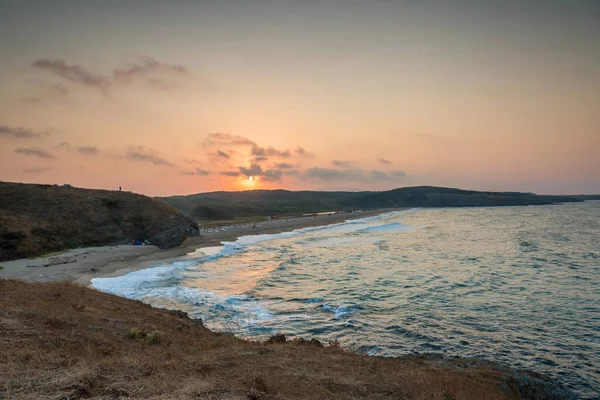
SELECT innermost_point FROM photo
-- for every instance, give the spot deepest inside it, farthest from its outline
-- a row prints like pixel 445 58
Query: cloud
pixel 63 145
pixel 152 73
pixel 226 139
pixel 270 152
pixel 35 152
pixel 284 166
pixel 36 170
pixel 328 174
pixel 260 158
pixel 292 172
pixel 272 175
pixel 230 173
pixel 378 176
pixel 397 174
pixel 302 152
pixel 19 132
pixel 355 175
pixel 88 150
pixel 73 73
pixel 197 171
pixel 148 71
pixel 343 164
pixel 223 154
pixel 254 169
pixel 384 161
pixel 144 154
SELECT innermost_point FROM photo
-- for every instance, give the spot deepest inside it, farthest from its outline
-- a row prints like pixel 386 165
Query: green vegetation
pixel 217 205
pixel 150 338
pixel 213 213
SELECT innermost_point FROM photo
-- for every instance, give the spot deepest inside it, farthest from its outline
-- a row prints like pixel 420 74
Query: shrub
pixel 153 337
pixel 150 338
pixel 135 333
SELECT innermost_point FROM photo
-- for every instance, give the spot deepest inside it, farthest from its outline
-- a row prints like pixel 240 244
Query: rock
pixel 304 342
pixel 183 315
pixel 278 338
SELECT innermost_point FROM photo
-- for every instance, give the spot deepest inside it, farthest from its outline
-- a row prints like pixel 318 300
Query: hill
pixel 278 202
pixel 64 341
pixel 36 219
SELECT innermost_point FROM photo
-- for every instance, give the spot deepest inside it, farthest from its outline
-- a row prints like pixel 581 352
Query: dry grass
pixel 63 341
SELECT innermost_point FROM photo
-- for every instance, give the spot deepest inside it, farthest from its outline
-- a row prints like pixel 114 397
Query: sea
pixel 517 285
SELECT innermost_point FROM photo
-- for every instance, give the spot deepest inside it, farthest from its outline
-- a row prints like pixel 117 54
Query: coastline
pixel 82 265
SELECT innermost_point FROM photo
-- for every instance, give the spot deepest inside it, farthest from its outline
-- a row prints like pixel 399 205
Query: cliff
pixel 36 219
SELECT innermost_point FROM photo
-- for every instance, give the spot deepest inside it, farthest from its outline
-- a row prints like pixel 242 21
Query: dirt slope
pixel 63 341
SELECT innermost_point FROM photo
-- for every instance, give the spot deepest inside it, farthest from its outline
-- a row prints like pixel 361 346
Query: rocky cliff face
pixel 36 219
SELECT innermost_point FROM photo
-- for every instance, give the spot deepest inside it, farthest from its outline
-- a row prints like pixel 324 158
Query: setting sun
pixel 250 178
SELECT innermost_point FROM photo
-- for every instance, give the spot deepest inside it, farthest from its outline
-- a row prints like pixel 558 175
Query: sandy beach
pixel 83 264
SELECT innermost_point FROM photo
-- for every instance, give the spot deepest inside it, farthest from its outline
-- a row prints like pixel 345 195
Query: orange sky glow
pixel 202 96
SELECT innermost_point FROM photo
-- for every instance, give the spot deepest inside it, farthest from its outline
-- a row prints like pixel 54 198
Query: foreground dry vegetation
pixel 64 341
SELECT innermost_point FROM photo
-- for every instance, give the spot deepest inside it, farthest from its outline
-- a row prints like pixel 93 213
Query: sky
pixel 180 97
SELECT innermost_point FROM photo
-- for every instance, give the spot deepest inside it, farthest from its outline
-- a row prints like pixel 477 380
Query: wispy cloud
pixel 36 170
pixel 144 154
pixel 230 173
pixel 152 73
pixel 226 139
pixel 343 163
pixel 197 171
pixel 303 152
pixel 63 145
pixel 284 166
pixel 19 132
pixel 147 71
pixel 354 175
pixel 88 150
pixel 384 161
pixel 397 174
pixel 72 72
pixel 270 152
pixel 35 152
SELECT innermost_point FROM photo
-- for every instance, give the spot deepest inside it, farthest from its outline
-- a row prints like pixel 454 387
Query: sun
pixel 250 178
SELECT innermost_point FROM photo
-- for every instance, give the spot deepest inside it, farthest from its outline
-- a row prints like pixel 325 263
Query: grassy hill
pixel 36 219
pixel 278 202
pixel 63 341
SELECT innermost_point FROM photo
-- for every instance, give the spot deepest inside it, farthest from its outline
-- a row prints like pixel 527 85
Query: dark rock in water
pixel 278 338
pixel 183 315
pixel 534 386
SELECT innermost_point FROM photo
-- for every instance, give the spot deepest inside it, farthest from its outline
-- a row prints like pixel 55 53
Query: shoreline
pixel 82 265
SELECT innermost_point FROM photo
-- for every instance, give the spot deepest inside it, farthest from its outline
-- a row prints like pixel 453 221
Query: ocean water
pixel 519 285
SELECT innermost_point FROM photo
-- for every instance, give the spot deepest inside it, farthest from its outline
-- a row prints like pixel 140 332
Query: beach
pixel 83 264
